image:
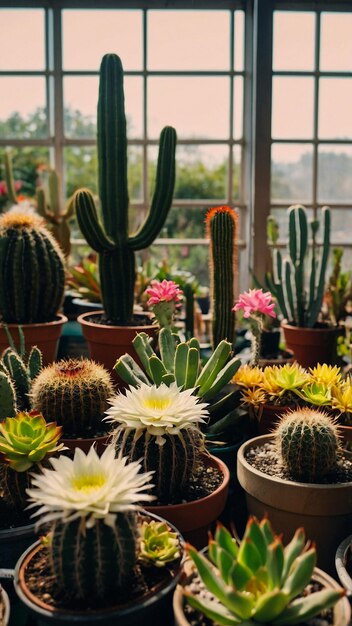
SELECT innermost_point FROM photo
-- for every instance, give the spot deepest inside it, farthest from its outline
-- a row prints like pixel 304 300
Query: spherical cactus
pixel 308 443
pixel 32 275
pixel 74 393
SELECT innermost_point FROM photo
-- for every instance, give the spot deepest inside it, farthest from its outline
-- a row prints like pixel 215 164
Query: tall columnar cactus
pixel 9 179
pixel 308 443
pixel 111 239
pixel 17 372
pixel 221 225
pixel 300 298
pixel 75 393
pixel 57 218
pixel 32 275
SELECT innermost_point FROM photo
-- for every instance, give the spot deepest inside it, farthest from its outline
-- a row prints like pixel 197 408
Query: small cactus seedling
pixel 91 503
pixel 32 275
pixel 308 443
pixel 258 581
pixel 75 392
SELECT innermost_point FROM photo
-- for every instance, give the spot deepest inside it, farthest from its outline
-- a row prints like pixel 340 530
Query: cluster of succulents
pixel 258 580
pixel 292 385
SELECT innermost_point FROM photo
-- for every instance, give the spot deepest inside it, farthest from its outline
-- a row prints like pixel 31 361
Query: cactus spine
pixel 301 303
pixel 32 276
pixel 57 219
pixel 111 240
pixel 73 393
pixel 105 556
pixel 222 231
pixel 173 462
pixel 308 443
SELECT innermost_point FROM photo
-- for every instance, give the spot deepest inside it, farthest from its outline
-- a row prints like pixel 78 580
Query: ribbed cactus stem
pixel 32 276
pixel 9 178
pixel 93 562
pixel 222 231
pixel 308 443
pixel 56 217
pixel 173 462
pixel 73 393
pixel 110 238
pixel 13 487
pixel 8 404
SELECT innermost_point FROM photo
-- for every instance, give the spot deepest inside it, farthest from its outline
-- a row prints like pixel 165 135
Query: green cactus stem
pixel 110 238
pixel 9 178
pixel 221 224
pixel 32 275
pixel 57 218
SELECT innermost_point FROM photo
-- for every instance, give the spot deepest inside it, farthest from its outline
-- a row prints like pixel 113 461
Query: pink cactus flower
pixel 165 291
pixel 3 189
pixel 255 301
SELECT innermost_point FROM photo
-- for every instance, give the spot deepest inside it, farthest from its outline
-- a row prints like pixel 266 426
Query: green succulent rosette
pixel 158 544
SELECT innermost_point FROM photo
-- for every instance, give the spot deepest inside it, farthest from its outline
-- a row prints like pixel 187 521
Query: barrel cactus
pixel 111 239
pixel 32 276
pixel 91 505
pixel 222 230
pixel 75 392
pixel 308 443
pixel 160 427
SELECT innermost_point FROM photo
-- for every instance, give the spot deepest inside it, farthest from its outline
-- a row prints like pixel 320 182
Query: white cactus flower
pixel 158 410
pixel 89 487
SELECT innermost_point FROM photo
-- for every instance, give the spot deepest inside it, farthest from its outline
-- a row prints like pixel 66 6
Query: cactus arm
pixel 162 198
pixel 298 241
pixel 157 369
pixel 20 378
pixel 112 148
pixel 277 276
pixel 188 293
pixel 41 205
pixel 168 379
pixel 7 397
pixel 54 194
pixel 88 222
pixel 181 357
pixel 35 362
pixel 167 348
pixel 288 273
pixel 315 310
pixel 9 179
pixel 129 371
pixel 194 343
pixel 214 365
pixel 224 377
pixel 144 350
pixel 192 368
pixel 70 209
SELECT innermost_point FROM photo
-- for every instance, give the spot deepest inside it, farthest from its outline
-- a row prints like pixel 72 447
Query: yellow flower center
pixel 157 404
pixel 89 482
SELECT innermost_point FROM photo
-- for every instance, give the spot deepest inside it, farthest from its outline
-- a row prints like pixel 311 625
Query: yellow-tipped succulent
pixel 327 375
pixel 247 376
pixel 27 439
pixel 342 399
pixel 284 378
pixel 318 394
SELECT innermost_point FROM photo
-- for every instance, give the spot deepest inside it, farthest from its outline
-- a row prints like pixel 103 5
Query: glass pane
pixel 335 121
pixel 281 215
pixel 22 116
pixel 81 96
pixel 22 41
pixel 237 172
pixel 238 107
pixel 294 40
pixel 201 172
pixel 292 172
pixel 339 232
pixel 179 40
pixel 195 106
pixel 89 34
pixel 335 174
pixel 185 222
pixel 292 116
pixel 239 41
pixel 336 42
pixel 194 259
pixel 28 165
pixel 81 170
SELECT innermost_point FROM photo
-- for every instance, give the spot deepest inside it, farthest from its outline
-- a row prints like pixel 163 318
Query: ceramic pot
pixel 324 511
pixel 344 556
pixel 193 519
pixel 13 542
pixel 46 336
pixel 155 608
pixel 312 345
pixel 107 343
pixel 4 607
pixel 342 610
pixel 269 417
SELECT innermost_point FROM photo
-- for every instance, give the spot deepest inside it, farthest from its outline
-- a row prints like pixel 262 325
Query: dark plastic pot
pixel 227 454
pixel 13 542
pixel 344 556
pixel 156 609
pixel 269 342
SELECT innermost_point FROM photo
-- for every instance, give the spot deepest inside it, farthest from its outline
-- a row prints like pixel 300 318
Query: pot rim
pixel 82 320
pixel 340 563
pixel 16 531
pixel 321 576
pixel 304 329
pixel 6 602
pixel 46 611
pixel 59 320
pixel 223 485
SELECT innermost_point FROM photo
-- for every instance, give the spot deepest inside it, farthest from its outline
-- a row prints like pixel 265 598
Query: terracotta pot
pixel 324 511
pixel 283 357
pixel 155 608
pixel 342 610
pixel 269 417
pixel 193 519
pixel 344 556
pixel 312 345
pixel 107 343
pixel 86 444
pixel 46 336
pixel 5 609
